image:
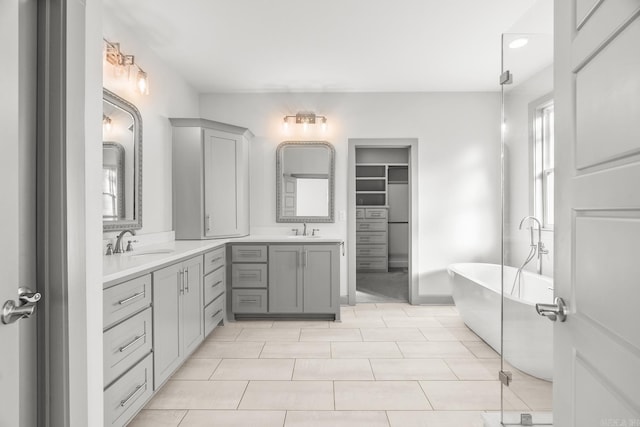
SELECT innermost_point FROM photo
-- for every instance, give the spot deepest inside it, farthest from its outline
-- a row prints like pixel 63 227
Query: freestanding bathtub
pixel 528 337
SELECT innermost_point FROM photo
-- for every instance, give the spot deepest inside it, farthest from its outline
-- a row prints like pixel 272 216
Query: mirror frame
pixel 279 160
pixel 136 222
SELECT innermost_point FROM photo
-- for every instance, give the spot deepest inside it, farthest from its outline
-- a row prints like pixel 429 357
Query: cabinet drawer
pixel 359 213
pixel 375 213
pixel 125 397
pixel 214 260
pixel 125 299
pixel 371 250
pixel 125 344
pixel 214 285
pixel 249 301
pixel 372 264
pixel 249 275
pixel 249 253
pixel 371 226
pixel 371 237
pixel 213 314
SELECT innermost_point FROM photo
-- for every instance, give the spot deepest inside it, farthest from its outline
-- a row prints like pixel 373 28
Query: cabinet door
pixel 192 325
pixel 321 279
pixel 222 156
pixel 167 312
pixel 285 279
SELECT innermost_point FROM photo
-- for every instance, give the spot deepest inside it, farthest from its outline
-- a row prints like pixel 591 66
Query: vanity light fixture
pixel 305 119
pixel 121 61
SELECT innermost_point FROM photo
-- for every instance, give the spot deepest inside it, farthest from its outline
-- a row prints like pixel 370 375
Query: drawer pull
pixel 216 259
pixel 248 301
pixel 126 401
pixel 131 298
pixel 216 313
pixel 135 340
pixel 216 284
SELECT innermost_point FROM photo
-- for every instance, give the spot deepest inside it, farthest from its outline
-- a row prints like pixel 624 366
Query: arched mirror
pixel 121 164
pixel 305 181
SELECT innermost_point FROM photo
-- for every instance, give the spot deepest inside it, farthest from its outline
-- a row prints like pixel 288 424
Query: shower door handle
pixel 553 312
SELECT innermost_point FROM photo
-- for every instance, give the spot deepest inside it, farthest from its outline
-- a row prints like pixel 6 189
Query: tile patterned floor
pixel 387 365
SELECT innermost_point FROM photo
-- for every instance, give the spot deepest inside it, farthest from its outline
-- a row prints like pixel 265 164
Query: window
pixel 543 163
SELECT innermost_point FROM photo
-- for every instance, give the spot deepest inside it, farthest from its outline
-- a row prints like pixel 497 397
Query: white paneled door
pixel 597 99
pixel 18 357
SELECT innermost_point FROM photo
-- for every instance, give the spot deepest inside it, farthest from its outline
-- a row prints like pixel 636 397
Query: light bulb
pixel 106 124
pixel 305 126
pixel 143 82
pixel 285 125
pixel 324 125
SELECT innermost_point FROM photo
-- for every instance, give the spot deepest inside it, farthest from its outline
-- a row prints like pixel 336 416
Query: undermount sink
pixel 150 252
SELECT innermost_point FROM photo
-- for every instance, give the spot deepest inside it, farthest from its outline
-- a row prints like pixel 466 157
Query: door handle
pixel 25 307
pixel 553 312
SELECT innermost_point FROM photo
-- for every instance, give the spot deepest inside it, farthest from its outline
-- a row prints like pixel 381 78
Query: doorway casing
pixel 412 145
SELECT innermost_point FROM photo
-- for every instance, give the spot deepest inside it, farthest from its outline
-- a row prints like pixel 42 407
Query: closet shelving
pixel 372 181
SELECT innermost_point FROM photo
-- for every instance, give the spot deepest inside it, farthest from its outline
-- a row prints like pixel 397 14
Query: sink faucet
pixel 539 247
pixel 118 249
pixel 304 230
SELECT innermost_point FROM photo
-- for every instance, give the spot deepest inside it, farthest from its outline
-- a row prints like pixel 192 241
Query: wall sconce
pixel 305 119
pixel 121 61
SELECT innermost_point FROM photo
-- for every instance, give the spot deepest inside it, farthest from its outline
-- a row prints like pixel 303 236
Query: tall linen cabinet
pixel 210 179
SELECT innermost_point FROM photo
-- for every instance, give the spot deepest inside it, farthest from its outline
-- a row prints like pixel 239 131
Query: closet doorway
pixel 381 191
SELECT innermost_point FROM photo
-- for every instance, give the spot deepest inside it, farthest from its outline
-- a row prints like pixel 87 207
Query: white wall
pixel 518 188
pixel 169 96
pixel 459 163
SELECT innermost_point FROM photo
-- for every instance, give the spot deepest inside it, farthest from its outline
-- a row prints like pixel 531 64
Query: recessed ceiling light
pixel 518 43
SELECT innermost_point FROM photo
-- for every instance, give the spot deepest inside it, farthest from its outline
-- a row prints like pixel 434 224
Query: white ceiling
pixel 327 46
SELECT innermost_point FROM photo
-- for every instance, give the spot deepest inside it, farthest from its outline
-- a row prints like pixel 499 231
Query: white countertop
pixel 150 257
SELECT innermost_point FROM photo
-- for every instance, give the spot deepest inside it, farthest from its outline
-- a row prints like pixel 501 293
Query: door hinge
pixel 505 377
pixel 506 78
pixel 526 420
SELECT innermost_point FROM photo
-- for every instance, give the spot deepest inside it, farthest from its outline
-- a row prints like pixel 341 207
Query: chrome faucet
pixel 118 249
pixel 539 247
pixel 304 230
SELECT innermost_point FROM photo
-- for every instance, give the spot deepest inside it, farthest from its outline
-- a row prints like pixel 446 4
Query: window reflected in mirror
pixel 121 164
pixel 305 173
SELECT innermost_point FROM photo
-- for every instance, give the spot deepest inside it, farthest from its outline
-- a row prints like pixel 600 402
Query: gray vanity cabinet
pixel 304 279
pixel 285 279
pixel 177 315
pixel 210 179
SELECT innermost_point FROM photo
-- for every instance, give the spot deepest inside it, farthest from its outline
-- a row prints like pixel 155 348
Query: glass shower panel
pixel 527 145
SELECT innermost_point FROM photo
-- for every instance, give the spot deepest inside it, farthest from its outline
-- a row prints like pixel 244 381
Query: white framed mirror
pixel 305 173
pixel 121 164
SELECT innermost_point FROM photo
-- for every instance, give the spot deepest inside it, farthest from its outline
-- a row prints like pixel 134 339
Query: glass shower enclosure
pixel 526 363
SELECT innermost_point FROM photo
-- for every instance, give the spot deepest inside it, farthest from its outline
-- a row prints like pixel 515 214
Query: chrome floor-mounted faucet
pixel 537 247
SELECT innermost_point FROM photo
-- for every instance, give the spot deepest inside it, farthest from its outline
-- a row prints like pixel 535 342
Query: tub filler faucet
pixel 537 248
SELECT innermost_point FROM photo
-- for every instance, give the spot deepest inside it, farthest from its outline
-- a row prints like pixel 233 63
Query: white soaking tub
pixel 528 337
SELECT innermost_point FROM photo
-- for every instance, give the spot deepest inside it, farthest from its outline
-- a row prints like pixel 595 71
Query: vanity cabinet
pixel 210 179
pixel 249 278
pixel 276 279
pixel 127 349
pixel 214 289
pixel 303 278
pixel 177 315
